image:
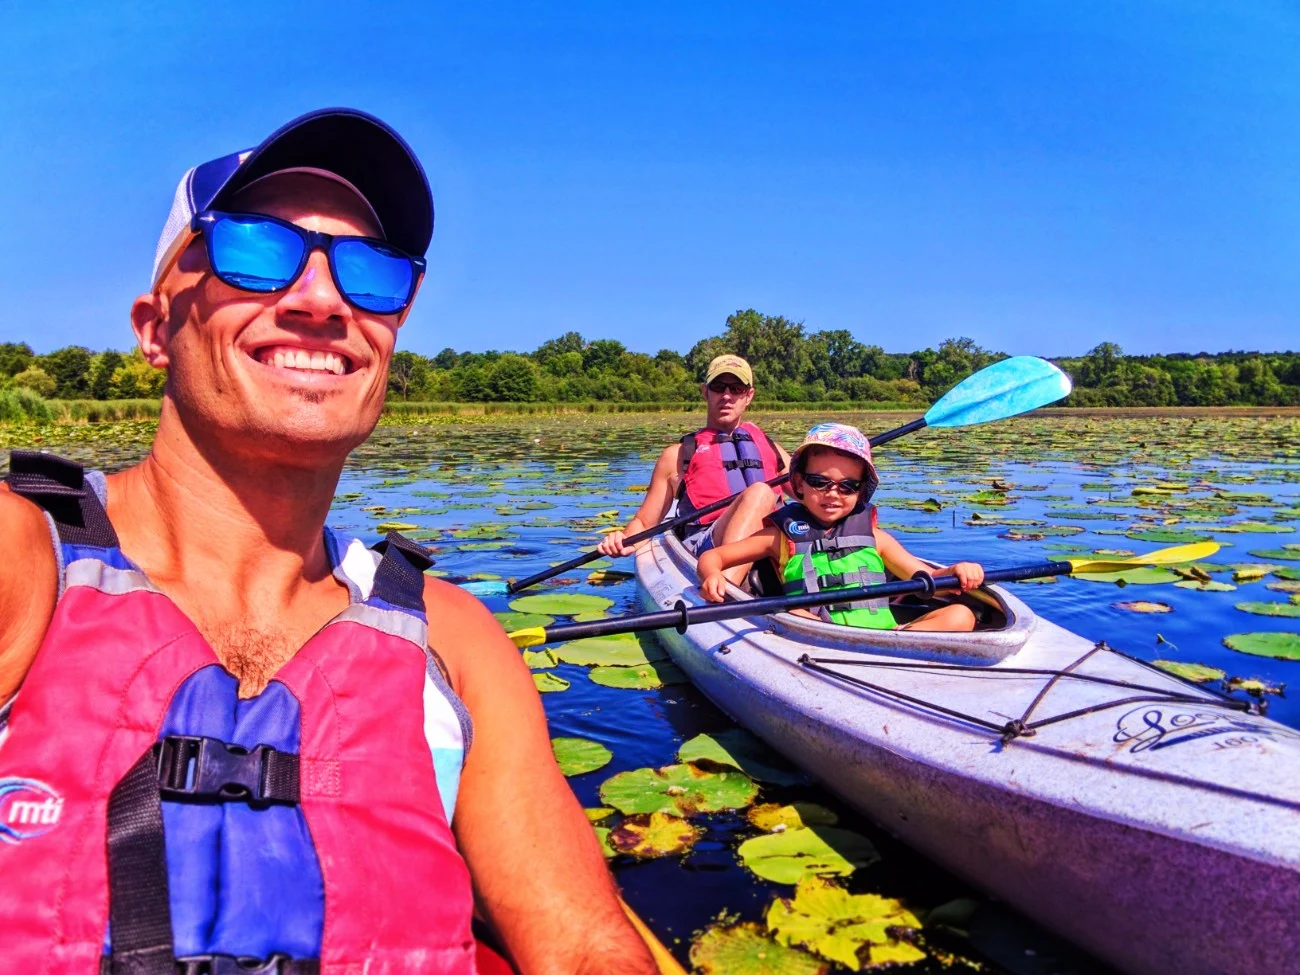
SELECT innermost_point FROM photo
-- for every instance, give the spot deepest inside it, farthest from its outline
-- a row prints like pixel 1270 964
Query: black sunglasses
pixel 735 389
pixel 820 482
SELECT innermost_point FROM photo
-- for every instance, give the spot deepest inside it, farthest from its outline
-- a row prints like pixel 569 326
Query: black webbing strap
pixel 139 910
pixel 59 486
pixel 399 577
pixel 205 768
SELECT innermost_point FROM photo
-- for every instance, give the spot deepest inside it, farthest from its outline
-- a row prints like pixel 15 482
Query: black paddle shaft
pixel 708 509
pixel 681 616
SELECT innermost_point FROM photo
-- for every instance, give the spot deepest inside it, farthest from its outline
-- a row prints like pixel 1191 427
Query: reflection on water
pixel 505 497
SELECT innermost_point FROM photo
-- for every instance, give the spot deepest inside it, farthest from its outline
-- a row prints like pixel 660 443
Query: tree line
pixel 790 364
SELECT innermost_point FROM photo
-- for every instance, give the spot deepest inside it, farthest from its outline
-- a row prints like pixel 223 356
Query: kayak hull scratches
pixel 1160 836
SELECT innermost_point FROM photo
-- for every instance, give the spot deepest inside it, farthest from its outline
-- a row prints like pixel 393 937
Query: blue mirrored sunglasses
pixel 254 252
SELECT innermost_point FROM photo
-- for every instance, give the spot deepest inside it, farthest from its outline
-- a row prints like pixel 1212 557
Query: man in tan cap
pixel 727 457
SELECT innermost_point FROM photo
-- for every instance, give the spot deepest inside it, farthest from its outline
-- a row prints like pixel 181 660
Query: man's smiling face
pixel 298 375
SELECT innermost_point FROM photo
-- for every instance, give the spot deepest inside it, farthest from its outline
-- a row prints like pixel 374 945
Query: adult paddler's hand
pixel 612 545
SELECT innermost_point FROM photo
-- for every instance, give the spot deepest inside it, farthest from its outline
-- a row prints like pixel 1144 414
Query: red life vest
pixel 722 464
pixel 151 821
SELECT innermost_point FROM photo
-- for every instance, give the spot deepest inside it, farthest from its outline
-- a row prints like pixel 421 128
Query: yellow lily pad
pixel 856 930
pixel 655 835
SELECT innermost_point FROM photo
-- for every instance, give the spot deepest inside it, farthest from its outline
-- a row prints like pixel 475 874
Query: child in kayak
pixel 828 539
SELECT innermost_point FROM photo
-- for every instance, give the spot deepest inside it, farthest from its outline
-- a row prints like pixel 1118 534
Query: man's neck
pixel 186 512
pixel 724 427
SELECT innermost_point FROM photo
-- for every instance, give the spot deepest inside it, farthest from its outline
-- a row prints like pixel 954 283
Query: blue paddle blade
pixel 484 587
pixel 1007 388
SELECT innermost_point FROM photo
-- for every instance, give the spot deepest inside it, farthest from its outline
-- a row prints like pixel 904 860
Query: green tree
pixel 566 343
pixel 70 369
pixel 37 380
pixel 101 374
pixel 602 356
pixel 15 357
pixel 512 379
pixel 408 371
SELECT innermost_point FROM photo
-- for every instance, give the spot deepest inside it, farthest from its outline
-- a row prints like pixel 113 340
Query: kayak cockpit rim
pixel 981 647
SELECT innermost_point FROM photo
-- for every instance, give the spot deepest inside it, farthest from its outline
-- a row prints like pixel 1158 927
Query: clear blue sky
pixel 1037 176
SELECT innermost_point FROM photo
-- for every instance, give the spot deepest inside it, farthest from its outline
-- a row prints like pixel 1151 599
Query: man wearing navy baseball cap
pixel 232 741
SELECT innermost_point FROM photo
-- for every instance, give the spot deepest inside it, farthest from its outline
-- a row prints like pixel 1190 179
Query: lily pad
pixel 396 526
pixel 656 835
pixel 1283 646
pixel 618 650
pixel 642 678
pixel 1144 606
pixel 772 817
pixel 1205 585
pixel 578 756
pixel 789 856
pixel 679 790
pixel 560 604
pixel 1270 609
pixel 1145 576
pixel 1285 553
pixel 1286 573
pixel 540 660
pixel 547 683
pixel 738 749
pixel 522 621
pixel 1286 585
pixel 612 577
pixel 599 813
pixel 602 837
pixel 1256 527
pixel 1167 536
pixel 856 930
pixel 1201 673
pixel 746 949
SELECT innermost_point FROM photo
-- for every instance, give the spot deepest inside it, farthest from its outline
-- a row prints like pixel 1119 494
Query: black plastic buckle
pixel 207 768
pixel 231 965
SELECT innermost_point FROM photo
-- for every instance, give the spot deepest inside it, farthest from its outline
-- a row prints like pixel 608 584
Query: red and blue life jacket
pixel 152 822
pixel 719 465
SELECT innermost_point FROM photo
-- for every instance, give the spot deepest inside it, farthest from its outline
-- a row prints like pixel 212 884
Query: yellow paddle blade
pixel 668 965
pixel 1174 555
pixel 529 636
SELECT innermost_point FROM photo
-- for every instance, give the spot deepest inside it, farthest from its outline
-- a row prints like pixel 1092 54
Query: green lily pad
pixel 396 526
pixel 680 790
pixel 772 817
pixel 655 835
pixel 855 930
pixel 560 604
pixel 1167 536
pixel 590 617
pixel 745 949
pixel 1285 553
pixel 642 678
pixel 1201 585
pixel 789 856
pixel 738 749
pixel 1286 573
pixel 602 837
pixel 618 650
pixel 1286 585
pixel 522 621
pixel 1256 527
pixel 540 660
pixel 1144 606
pixel 1270 609
pixel 1283 646
pixel 1201 673
pixel 1146 576
pixel 578 756
pixel 547 683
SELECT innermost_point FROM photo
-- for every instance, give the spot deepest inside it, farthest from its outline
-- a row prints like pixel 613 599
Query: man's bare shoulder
pixel 28 587
pixel 465 634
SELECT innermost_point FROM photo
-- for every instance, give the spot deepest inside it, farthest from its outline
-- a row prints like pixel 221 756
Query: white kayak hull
pixel 1162 836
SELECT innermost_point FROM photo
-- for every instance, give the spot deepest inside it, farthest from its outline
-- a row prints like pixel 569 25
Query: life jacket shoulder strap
pixel 399 577
pixel 58 486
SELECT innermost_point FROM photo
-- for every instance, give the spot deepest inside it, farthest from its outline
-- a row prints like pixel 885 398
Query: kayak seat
pixel 763 580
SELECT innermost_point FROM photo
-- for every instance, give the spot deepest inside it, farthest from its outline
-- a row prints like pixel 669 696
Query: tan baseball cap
pixel 733 364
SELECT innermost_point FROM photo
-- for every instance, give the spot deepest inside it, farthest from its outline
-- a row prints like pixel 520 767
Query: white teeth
pixel 315 361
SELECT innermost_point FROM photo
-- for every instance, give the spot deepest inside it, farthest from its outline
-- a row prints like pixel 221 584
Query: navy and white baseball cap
pixel 348 145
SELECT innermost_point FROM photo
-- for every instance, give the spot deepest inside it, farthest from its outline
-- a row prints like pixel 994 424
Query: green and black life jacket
pixel 840 557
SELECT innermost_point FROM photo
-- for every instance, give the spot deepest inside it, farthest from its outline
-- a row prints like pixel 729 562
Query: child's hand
pixel 969 574
pixel 714 587
pixel 612 545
